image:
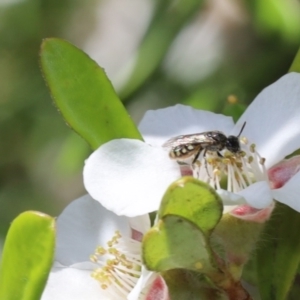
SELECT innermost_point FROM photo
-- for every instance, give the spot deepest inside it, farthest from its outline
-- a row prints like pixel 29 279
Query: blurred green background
pixel 215 55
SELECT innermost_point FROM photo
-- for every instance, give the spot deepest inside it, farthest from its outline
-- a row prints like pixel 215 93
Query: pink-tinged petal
pixel 136 235
pixel 273 119
pixel 158 290
pixel 289 193
pixel 85 220
pixel 186 170
pixel 157 126
pixel 283 171
pixel 71 283
pixel 140 223
pixel 129 177
pixel 248 213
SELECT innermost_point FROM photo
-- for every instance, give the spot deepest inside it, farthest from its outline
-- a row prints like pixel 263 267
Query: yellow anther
pixel 262 160
pixel 100 251
pixel 242 154
pixel 93 258
pixel 252 148
pixel 244 140
pixel 226 161
pixel 217 172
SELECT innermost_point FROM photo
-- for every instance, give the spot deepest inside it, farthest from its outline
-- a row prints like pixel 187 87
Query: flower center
pixel 234 171
pixel 119 265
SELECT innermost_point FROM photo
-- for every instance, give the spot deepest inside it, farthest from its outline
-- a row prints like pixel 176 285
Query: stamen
pixel 239 169
pixel 119 265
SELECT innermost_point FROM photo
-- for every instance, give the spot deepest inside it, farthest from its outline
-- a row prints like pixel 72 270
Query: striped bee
pixel 185 146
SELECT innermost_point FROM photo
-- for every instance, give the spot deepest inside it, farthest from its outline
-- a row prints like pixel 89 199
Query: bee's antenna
pixel 242 129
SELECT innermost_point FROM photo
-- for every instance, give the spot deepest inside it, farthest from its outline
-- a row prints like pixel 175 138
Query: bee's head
pixel 233 144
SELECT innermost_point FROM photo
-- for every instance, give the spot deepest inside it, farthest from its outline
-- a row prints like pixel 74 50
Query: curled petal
pixel 289 194
pixel 157 126
pixel 258 195
pixel 145 279
pixel 283 171
pixel 129 177
pixel 85 220
pixel 273 119
pixel 248 213
pixel 158 290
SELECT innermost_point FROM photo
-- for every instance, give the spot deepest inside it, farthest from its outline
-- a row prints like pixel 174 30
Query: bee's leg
pixel 206 168
pixel 196 156
pixel 195 166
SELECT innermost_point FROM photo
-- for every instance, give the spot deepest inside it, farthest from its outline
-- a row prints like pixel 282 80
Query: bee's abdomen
pixel 184 151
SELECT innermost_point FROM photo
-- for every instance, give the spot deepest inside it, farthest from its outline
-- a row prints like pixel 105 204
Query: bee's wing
pixel 193 139
pixel 173 142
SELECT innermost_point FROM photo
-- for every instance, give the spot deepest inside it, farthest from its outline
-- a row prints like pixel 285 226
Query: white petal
pixel 72 284
pixel 289 194
pixel 257 195
pixel 83 225
pixel 144 279
pixel 129 177
pixel 157 126
pixel 273 119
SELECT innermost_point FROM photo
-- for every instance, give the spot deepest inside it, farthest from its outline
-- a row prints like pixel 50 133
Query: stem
pixel 228 283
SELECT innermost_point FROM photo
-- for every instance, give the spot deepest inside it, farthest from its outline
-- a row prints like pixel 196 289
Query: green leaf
pixel 278 255
pixel 27 256
pixel 176 243
pixel 295 67
pixel 277 17
pixel 84 95
pixel 193 200
pixel 186 284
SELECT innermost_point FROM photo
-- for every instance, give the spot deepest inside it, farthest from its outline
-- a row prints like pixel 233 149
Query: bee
pixel 186 146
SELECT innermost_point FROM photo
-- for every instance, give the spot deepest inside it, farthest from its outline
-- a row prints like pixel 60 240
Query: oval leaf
pixel 176 243
pixel 195 201
pixel 84 95
pixel 27 256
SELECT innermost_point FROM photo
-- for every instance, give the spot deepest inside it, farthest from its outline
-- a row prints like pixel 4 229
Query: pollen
pixel 233 171
pixel 119 265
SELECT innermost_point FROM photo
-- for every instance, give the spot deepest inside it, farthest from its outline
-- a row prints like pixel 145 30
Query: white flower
pixel 141 172
pixel 114 271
